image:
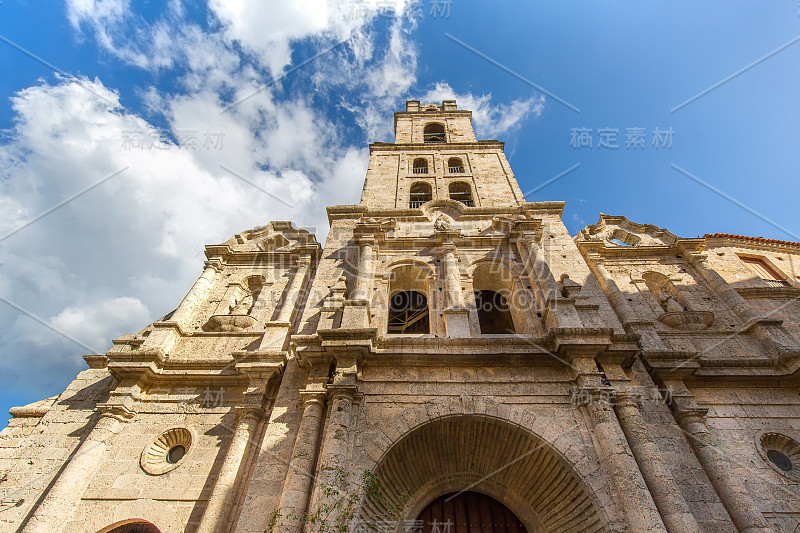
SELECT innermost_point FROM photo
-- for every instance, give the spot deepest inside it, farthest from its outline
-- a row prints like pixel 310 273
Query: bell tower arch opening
pixel 434 133
pixel 500 300
pixel 409 286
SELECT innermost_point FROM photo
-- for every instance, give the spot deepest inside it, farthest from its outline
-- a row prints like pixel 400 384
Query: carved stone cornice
pixel 769 292
pixel 115 411
pixel 529 229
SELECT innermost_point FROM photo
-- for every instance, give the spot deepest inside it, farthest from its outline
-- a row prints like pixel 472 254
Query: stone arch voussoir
pixel 548 464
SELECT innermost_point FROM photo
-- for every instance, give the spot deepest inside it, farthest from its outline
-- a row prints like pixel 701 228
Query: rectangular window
pixel 764 271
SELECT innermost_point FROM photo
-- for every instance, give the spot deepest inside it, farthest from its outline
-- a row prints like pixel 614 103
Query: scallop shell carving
pixel 785 445
pixel 154 457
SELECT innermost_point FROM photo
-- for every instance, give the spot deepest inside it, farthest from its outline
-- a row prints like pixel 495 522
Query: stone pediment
pixel 450 208
pixel 620 232
pixel 276 236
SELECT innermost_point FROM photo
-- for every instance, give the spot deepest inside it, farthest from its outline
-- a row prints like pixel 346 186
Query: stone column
pixel 333 460
pixel 718 284
pixel 297 487
pixel 667 496
pixel 637 502
pixel 52 513
pixel 216 516
pixel 452 277
pixel 537 267
pixel 559 312
pixel 294 288
pixel 726 481
pixel 366 257
pixel 198 293
pixel 615 297
pixel 619 302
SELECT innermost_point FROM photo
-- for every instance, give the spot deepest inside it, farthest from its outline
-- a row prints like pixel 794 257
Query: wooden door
pixel 469 512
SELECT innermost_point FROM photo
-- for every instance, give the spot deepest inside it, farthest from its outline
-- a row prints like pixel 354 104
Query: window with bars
pixel 420 166
pixel 455 166
pixel 764 271
pixel 461 192
pixel 420 193
pixel 433 133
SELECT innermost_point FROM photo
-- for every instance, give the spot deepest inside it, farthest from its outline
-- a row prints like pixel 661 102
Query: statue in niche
pixel 669 303
pixel 241 306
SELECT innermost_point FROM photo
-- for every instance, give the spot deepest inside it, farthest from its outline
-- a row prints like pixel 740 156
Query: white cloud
pixel 92 265
pixel 490 121
pixel 95 323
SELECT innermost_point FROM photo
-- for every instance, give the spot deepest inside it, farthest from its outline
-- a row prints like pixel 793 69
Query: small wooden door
pixel 469 512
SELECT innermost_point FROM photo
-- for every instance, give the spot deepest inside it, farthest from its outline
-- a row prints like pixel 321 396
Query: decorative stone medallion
pixel 166 452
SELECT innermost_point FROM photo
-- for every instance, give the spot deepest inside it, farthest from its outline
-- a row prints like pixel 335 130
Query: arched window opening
pixel 408 313
pixel 461 192
pixel 139 526
pixel 494 315
pixel 408 301
pixel 434 133
pixel 467 510
pixel 420 193
pixel 455 166
pixel 502 304
pixel 420 166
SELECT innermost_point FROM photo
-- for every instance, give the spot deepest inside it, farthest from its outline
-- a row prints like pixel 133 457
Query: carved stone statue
pixel 442 223
pixel 241 306
pixel 669 303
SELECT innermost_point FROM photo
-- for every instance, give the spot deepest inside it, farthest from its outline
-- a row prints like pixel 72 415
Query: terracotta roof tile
pixel 744 237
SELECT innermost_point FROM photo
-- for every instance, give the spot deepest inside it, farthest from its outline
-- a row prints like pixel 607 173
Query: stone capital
pixel 247 411
pixel 313 397
pixel 689 415
pixel 628 399
pixel 350 392
pixel 215 263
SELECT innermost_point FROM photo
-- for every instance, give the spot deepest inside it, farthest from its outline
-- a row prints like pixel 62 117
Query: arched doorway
pixel 138 526
pixel 480 453
pixel 470 512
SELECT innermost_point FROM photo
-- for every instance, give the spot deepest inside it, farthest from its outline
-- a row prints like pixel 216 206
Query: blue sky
pixel 141 89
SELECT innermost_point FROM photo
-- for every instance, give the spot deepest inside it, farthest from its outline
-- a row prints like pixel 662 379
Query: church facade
pixel 451 360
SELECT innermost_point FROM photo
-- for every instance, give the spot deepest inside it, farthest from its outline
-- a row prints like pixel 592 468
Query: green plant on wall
pixel 340 504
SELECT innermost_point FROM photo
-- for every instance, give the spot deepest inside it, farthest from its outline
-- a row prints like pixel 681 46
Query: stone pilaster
pixel 216 517
pixel 558 312
pixel 667 496
pixel 294 288
pixel 277 332
pixel 297 487
pixel 718 284
pixel 52 513
pixel 637 502
pixel 366 258
pixel 612 447
pixel 781 345
pixel 619 302
pixel 734 496
pixel 198 293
